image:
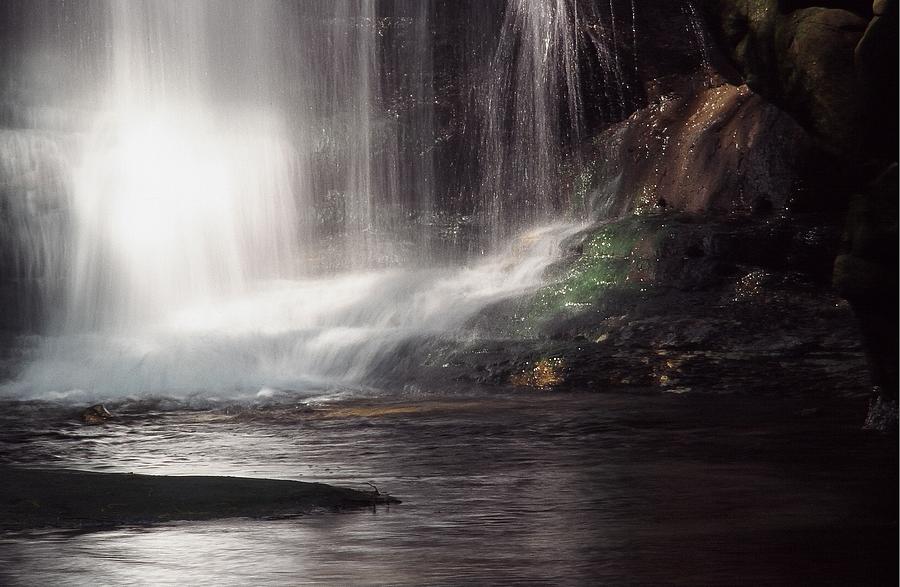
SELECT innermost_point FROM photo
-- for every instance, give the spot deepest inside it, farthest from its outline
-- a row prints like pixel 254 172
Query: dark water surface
pixel 533 488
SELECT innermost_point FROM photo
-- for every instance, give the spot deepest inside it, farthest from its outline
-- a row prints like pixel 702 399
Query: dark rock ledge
pixel 59 498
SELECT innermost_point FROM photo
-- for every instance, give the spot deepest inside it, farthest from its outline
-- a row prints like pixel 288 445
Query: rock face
pixel 865 273
pixel 669 302
pixel 876 67
pixel 723 149
pixel 833 67
pixel 801 58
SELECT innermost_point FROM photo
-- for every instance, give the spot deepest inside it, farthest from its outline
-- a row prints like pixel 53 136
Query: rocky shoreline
pixel 664 302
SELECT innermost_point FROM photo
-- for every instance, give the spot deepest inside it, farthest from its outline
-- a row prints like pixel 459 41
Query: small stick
pixel 372 485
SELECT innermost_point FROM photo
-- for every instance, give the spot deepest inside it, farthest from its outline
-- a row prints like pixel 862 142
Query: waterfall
pixel 187 175
pixel 176 198
pixel 695 21
pixel 530 111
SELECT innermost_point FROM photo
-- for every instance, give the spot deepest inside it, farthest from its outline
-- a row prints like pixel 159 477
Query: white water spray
pixel 305 336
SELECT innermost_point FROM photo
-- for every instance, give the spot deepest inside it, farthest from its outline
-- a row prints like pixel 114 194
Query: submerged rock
pixel 96 414
pixel 37 498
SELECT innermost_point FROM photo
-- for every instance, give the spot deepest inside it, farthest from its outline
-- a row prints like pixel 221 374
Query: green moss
pixel 617 255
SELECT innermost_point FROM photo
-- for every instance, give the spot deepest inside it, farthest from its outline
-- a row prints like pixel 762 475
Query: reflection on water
pixel 502 489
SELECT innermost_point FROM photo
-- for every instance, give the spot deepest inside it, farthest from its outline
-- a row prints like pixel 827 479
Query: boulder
pixel 802 59
pixel 880 7
pixel 865 273
pixel 725 149
pixel 96 414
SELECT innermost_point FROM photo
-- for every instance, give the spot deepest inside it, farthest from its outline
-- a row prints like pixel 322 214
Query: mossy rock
pixel 615 255
pixel 802 59
pixel 815 52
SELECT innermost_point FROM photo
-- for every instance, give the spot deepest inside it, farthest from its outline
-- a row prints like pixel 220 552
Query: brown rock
pixel 96 414
pixel 802 60
pixel 815 48
pixel 725 149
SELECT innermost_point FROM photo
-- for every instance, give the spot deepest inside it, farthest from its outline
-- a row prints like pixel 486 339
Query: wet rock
pixel 818 44
pixel 882 416
pixel 37 498
pixel 802 59
pixel 723 149
pixel 880 7
pixel 762 206
pixel 546 374
pixel 866 275
pixel 96 414
pixel 760 323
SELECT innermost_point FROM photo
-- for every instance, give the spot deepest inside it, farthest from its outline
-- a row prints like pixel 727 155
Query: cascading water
pixel 699 35
pixel 526 122
pixel 208 203
pixel 293 336
pixel 172 201
pixel 167 195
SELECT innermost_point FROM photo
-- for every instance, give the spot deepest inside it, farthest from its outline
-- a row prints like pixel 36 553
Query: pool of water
pixel 497 488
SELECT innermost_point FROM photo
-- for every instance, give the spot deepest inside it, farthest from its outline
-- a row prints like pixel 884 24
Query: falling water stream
pixel 242 196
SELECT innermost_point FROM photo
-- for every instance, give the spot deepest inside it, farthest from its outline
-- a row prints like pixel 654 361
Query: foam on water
pixel 300 336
